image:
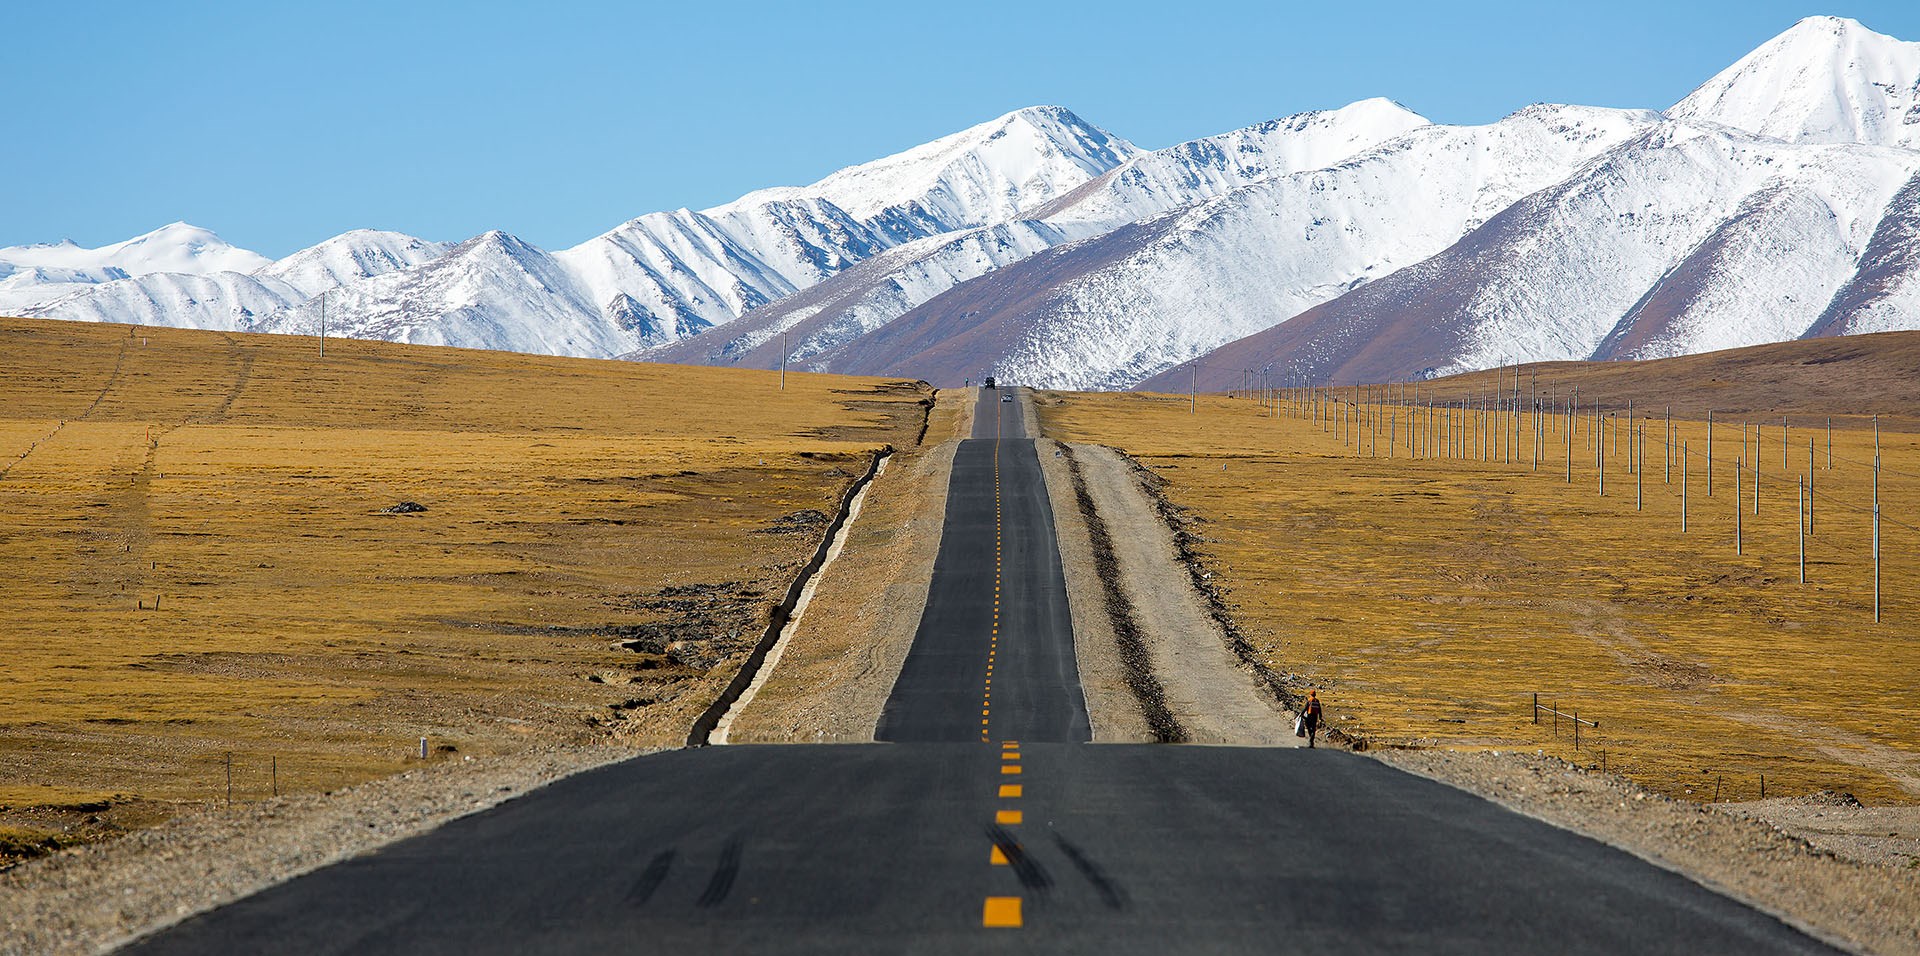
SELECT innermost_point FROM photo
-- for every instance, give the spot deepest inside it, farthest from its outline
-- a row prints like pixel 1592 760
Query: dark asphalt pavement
pixel 993 658
pixel 1029 842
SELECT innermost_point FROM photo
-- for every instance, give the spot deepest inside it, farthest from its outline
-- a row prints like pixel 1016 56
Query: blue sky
pixel 278 125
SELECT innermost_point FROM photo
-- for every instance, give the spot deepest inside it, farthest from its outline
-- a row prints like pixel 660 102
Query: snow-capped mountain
pixel 1684 239
pixel 1780 199
pixel 861 300
pixel 665 276
pixel 1792 213
pixel 1113 308
pixel 653 279
pixel 350 257
pixel 220 296
pixel 1883 295
pixel 1109 311
pixel 987 173
pixel 30 275
pixel 459 299
pixel 1826 80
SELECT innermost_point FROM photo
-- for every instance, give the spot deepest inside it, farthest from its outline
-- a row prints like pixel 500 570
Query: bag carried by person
pixel 1300 726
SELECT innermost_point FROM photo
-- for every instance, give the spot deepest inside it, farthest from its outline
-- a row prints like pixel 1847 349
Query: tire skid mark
pixel 1030 873
pixel 1110 892
pixel 724 874
pixel 651 878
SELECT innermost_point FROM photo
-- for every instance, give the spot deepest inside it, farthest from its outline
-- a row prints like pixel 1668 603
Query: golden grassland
pixel 196 560
pixel 1431 598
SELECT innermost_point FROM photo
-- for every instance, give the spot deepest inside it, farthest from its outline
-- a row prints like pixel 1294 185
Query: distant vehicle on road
pixel 989 381
pixel 1006 398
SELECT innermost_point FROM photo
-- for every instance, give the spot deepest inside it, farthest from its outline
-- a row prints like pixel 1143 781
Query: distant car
pixel 1006 398
pixel 989 382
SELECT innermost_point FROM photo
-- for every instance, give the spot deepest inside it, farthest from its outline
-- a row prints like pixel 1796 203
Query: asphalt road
pixel 993 658
pixel 1027 842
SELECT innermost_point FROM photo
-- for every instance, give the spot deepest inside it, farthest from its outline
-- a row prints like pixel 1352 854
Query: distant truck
pixel 989 381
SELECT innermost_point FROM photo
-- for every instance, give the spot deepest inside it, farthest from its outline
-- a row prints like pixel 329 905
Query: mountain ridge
pixel 1780 198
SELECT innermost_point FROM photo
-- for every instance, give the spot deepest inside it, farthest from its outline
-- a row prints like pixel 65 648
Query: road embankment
pixel 846 652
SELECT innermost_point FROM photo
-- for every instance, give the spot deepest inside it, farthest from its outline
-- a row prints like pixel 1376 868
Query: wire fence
pixel 1585 438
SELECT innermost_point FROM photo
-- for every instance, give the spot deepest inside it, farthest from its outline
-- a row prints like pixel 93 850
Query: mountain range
pixel 1780 199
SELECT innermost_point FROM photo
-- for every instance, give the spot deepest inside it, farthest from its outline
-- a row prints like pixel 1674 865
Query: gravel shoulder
pixel 1849 900
pixel 1204 689
pixel 1112 708
pixel 845 653
pixel 95 898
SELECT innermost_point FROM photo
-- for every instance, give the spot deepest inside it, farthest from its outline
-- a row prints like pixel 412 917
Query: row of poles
pixel 1512 424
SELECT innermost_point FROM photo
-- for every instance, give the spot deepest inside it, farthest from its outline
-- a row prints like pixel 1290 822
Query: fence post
pixel 229 780
pixel 1536 708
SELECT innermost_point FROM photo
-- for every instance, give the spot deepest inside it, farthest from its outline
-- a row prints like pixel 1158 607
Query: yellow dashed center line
pixel 1001 911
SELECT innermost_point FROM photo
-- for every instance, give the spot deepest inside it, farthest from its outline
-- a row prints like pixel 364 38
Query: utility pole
pixel 323 325
pixel 1193 386
pixel 783 360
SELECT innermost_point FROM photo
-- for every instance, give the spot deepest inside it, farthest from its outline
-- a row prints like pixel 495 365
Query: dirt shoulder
pixel 95 898
pixel 1162 663
pixel 1112 707
pixel 844 654
pixel 1845 899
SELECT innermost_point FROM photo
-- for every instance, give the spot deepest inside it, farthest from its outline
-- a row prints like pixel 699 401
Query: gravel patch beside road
pixel 95 898
pixel 1112 708
pixel 1863 906
pixel 1213 696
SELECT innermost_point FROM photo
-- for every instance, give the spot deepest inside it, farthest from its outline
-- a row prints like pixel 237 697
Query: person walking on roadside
pixel 1310 716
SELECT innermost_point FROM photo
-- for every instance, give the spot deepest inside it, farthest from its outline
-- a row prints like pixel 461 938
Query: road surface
pixel 1028 840
pixel 993 657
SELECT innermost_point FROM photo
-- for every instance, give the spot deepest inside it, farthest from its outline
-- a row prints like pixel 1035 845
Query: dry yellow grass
pixel 1431 598
pixel 240 482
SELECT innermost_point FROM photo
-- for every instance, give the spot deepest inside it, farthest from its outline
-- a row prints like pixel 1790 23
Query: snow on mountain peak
pixel 983 174
pixel 1824 80
pixel 353 255
pixel 175 247
pixel 1152 183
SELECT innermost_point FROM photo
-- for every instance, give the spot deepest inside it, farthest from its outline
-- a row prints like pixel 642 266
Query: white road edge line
pixel 724 728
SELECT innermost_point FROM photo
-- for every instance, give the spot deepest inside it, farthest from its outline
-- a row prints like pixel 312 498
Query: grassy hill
pixel 205 552
pixel 1431 597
